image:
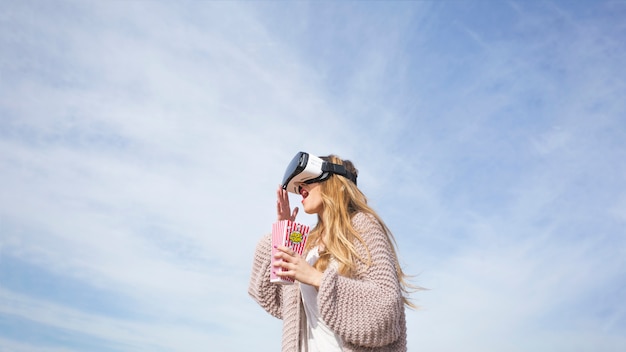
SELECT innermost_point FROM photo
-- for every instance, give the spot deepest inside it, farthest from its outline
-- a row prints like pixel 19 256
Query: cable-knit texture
pixel 366 311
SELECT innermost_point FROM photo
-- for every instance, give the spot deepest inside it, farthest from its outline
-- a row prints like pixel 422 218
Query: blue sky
pixel 141 144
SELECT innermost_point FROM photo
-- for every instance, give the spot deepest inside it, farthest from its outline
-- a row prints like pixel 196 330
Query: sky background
pixel 142 142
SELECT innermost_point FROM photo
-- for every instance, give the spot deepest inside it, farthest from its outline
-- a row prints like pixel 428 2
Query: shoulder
pixel 369 228
pixel 364 222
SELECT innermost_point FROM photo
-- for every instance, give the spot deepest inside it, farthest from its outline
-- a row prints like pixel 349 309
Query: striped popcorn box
pixel 289 234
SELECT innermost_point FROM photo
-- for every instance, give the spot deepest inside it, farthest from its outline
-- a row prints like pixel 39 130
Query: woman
pixel 350 291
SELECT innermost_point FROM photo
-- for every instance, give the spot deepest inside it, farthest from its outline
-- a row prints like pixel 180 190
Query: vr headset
pixel 307 168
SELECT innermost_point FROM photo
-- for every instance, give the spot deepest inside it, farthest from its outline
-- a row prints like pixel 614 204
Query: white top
pixel 319 337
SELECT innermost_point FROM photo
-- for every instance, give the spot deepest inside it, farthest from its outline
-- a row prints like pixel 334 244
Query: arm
pixel 365 310
pixel 266 294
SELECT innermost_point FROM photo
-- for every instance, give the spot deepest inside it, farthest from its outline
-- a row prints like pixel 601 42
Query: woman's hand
pixel 282 206
pixel 295 267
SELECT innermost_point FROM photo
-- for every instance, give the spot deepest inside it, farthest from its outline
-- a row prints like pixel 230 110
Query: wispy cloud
pixel 141 145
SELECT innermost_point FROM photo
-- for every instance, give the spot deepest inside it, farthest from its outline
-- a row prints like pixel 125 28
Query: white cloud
pixel 142 144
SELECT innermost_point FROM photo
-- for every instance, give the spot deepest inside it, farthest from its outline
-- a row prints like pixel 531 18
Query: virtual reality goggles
pixel 307 168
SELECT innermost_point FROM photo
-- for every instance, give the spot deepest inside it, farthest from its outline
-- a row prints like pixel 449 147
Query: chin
pixel 310 210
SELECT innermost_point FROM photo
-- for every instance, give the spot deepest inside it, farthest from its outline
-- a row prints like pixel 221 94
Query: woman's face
pixel 311 198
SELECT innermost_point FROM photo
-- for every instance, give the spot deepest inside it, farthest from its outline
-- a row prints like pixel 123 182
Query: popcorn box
pixel 289 234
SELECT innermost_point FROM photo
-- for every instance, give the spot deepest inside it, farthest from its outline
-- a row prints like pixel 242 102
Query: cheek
pixel 317 202
pixel 313 204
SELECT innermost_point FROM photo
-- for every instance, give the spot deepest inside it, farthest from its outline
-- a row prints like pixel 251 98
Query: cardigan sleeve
pixel 265 293
pixel 365 310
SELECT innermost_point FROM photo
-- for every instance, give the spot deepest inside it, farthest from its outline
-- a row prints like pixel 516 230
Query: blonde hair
pixel 341 200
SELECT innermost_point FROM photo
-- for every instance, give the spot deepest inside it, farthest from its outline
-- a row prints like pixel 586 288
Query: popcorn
pixel 289 234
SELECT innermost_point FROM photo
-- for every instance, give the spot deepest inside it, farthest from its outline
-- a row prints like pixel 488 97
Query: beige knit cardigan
pixel 366 311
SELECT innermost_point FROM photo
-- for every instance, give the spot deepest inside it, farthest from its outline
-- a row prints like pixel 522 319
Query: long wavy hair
pixel 342 200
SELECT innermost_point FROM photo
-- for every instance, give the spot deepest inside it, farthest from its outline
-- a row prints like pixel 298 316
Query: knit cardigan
pixel 366 310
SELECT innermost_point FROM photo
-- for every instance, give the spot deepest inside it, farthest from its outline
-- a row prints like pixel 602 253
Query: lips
pixel 304 193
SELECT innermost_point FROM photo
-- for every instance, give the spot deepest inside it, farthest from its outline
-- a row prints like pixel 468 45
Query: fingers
pixel 287 262
pixel 283 209
pixel 282 271
pixel 284 250
pixel 282 195
pixel 283 265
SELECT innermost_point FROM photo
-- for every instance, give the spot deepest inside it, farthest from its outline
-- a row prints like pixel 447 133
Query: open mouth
pixel 304 193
